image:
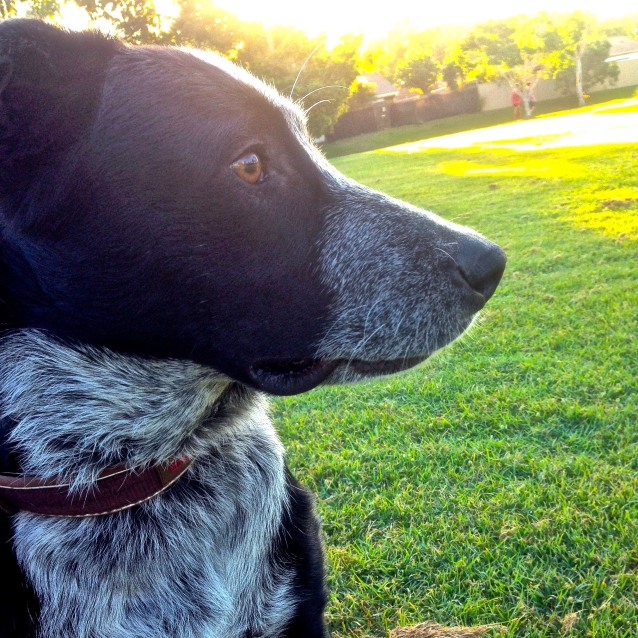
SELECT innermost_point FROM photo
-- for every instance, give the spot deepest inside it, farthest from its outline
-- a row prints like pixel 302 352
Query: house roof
pixel 382 86
pixel 622 48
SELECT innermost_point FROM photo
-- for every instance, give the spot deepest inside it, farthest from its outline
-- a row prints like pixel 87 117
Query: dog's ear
pixel 50 83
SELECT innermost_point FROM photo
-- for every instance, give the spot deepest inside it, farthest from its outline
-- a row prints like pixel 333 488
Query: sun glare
pixel 74 17
pixel 375 18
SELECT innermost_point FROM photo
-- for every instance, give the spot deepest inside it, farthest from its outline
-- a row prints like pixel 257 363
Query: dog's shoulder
pixel 300 541
pixel 18 603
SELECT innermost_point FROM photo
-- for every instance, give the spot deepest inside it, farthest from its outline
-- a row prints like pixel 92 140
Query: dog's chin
pixel 285 377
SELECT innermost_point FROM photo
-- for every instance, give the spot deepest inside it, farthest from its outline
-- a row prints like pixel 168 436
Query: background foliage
pixel 514 50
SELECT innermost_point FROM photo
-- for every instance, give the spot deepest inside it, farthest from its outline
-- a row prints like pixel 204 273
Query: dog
pixel 173 248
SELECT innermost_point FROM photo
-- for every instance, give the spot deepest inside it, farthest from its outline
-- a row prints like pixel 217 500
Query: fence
pixel 410 111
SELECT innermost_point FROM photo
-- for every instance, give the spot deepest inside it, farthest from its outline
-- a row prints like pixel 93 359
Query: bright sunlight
pixel 375 18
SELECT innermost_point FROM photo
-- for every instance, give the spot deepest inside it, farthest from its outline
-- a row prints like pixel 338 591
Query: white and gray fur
pixel 381 259
pixel 192 562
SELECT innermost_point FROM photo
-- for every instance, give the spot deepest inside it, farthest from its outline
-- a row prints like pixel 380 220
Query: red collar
pixel 117 488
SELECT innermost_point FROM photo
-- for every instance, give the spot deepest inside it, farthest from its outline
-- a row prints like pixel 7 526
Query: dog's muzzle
pixel 468 270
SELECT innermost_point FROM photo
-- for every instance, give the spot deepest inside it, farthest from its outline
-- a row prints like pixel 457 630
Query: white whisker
pixel 317 104
pixel 322 88
pixel 303 66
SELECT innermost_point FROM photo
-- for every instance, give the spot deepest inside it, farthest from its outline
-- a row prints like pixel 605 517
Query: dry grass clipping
pixel 432 630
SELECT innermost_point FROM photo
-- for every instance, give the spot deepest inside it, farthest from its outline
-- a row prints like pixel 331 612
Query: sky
pixel 375 17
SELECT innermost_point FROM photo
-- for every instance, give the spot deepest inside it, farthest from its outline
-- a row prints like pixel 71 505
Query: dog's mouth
pixel 283 377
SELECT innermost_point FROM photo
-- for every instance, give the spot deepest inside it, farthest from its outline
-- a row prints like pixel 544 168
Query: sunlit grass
pixel 611 211
pixel 618 106
pixel 555 168
pixel 601 204
pixel 597 204
pixel 499 484
pixel 590 187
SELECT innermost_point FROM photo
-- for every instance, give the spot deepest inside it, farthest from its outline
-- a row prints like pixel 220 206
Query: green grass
pixel 413 132
pixel 498 484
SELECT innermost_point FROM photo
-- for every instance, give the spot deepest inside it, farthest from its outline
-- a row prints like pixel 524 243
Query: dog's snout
pixel 481 263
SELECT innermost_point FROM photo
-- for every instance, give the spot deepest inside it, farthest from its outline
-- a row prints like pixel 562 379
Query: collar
pixel 116 489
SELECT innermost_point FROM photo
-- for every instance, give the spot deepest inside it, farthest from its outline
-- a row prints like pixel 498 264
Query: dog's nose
pixel 482 264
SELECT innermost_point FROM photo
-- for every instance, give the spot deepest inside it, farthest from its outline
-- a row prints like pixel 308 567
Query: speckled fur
pixel 197 560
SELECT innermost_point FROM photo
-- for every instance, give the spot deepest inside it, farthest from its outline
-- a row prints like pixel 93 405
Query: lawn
pixel 499 483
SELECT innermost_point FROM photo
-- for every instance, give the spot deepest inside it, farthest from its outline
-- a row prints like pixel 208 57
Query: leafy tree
pixel 489 50
pixel 418 73
pixel 304 69
pixel 204 25
pixel 136 21
pixel 450 74
pixel 36 9
pixel 277 55
pixel 570 48
pixel 627 25
pixel 361 95
pixel 325 83
pixel 576 54
pixel 527 35
pixel 593 70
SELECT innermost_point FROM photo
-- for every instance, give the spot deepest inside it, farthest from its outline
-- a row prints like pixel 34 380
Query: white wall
pixel 494 96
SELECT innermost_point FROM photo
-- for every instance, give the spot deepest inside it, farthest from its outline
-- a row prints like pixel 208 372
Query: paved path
pixel 606 124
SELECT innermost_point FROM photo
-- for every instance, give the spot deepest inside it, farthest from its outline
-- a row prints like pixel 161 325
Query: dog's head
pixel 156 202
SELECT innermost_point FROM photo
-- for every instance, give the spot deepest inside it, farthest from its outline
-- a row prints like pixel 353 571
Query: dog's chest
pixel 195 562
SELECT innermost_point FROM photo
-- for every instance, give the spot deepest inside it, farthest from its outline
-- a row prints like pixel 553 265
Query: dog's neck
pixel 78 410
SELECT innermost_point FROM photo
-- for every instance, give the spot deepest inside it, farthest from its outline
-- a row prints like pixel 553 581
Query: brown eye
pixel 249 168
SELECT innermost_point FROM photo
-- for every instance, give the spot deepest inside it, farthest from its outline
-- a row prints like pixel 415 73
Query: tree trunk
pixel 579 77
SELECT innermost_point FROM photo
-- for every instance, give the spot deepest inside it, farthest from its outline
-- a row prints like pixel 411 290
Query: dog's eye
pixel 249 168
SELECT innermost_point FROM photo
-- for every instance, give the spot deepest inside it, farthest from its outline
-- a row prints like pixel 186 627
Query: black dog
pixel 172 246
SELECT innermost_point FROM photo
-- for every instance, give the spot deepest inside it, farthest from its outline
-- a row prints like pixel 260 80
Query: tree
pixel 527 35
pixel 450 74
pixel 280 56
pixel 570 48
pixel 576 54
pixel 36 9
pixel 302 68
pixel 136 21
pixel 204 25
pixel 626 25
pixel 489 50
pixel 590 69
pixel 361 95
pixel 594 66
pixel 326 82
pixel 418 73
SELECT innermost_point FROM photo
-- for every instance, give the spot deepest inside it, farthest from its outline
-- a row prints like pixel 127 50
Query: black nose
pixel 481 264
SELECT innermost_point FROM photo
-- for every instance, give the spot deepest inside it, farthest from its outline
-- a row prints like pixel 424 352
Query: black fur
pixel 19 607
pixel 115 291
pixel 299 542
